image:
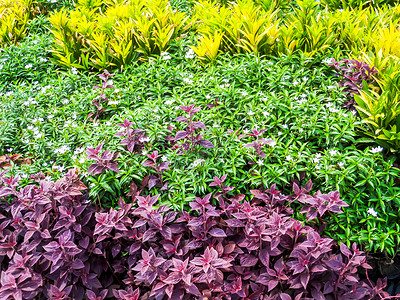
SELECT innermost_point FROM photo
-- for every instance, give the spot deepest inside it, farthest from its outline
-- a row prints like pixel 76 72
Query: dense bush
pixel 313 138
pixel 54 244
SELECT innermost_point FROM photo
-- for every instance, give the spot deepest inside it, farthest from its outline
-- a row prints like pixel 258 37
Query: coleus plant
pixel 104 160
pixel 355 74
pixel 159 168
pixel 133 138
pixel 54 244
pixel 189 137
pixel 106 84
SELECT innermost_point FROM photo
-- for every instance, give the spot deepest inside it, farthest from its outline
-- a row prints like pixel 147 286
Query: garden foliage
pixel 54 243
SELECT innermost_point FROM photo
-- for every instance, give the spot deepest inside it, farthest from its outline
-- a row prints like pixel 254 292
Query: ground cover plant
pixel 172 121
pixel 56 245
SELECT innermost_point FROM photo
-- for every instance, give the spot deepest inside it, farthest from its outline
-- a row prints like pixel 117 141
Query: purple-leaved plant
pixel 133 138
pixel 353 73
pixel 54 244
pixel 189 136
pixel 105 78
pixel 104 160
pixel 159 168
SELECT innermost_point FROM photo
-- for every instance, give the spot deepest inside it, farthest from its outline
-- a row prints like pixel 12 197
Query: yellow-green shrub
pixel 241 27
pixel 14 18
pixel 90 38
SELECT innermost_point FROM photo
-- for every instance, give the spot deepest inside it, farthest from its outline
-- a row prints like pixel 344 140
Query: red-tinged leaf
pixel 153 182
pixel 206 144
pixel 272 284
pixel 296 189
pixel 234 223
pixel 77 264
pixel 335 265
pixel 113 167
pixel 345 251
pixel 304 278
pixel 217 232
pixel 197 125
pixel 192 289
pixel 181 119
pixel 173 278
pixel 149 234
pixel 248 260
pixel 264 257
pixel 285 296
pixel 180 135
pixel 318 268
pixel 228 249
pixel 139 223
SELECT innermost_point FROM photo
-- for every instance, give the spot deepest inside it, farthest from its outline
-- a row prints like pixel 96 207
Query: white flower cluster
pixel 197 162
pixel 190 54
pixel 165 56
pixel 372 212
pixel 377 149
pixel 74 71
pixel 327 61
pixel 63 149
pixel 30 101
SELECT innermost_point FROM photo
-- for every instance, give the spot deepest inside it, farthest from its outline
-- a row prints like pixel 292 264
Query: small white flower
pixel 144 152
pixel 333 110
pixel 79 150
pixel 315 160
pixel 165 56
pixel 208 97
pixel 341 164
pixel 372 212
pixel 301 130
pixel 42 59
pixel 260 162
pixel 9 93
pixel 45 164
pixel 60 168
pixel 169 102
pixel 302 101
pixel 250 113
pixel 279 132
pixel 272 144
pixel 116 102
pixel 284 126
pixel 244 93
pixel 10 149
pixel 333 152
pixel 28 66
pixel 187 80
pixel 24 175
pixel 197 162
pixel 289 158
pixel 377 149
pixel 74 157
pixel 144 140
pixel 190 54
pixel 50 117
pixel 266 114
pixel 354 112
pixel 65 101
pixel 39 135
pixel 305 78
pixel 331 87
pixel 74 70
pixel 40 119
pixel 108 123
pixel 47 178
pixel 327 61
pixel 164 158
pixel 82 160
pixel 295 82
